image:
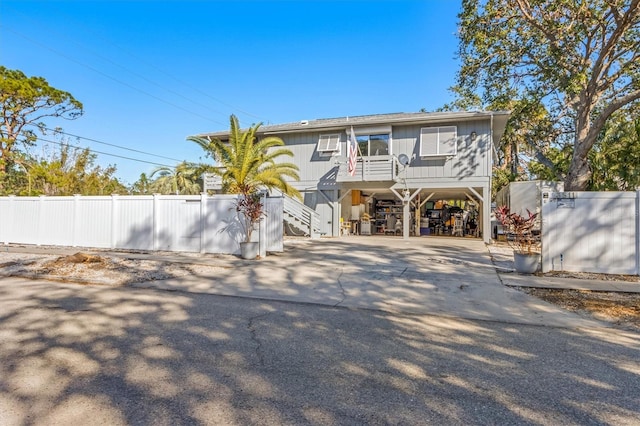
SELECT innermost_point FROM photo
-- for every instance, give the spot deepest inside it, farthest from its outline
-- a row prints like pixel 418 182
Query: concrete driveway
pixel 439 276
pixel 72 354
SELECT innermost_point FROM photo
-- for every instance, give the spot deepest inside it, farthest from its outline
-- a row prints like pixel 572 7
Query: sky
pixel 151 73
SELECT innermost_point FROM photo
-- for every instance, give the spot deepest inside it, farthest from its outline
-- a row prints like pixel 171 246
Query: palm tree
pixel 181 180
pixel 247 164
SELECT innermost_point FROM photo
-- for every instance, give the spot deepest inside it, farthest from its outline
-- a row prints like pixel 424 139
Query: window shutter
pixel 428 141
pixel 438 141
pixel 329 143
pixel 447 140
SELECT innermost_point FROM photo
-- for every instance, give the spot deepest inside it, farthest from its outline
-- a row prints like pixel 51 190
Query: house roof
pixel 327 124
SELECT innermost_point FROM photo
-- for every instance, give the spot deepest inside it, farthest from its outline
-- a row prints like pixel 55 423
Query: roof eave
pixel 341 124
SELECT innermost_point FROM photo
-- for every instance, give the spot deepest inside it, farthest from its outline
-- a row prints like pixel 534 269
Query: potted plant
pixel 526 245
pixel 251 211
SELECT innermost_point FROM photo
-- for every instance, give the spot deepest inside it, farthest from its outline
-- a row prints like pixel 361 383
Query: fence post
pixel 262 229
pixel 40 220
pixel 203 221
pixel 9 226
pixel 76 218
pixel 155 221
pixel 637 232
pixel 114 220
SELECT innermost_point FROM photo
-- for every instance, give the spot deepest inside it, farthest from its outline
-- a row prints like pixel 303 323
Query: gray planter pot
pixel 526 263
pixel 249 250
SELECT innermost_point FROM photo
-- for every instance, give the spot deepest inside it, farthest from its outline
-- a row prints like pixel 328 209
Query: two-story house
pixel 406 168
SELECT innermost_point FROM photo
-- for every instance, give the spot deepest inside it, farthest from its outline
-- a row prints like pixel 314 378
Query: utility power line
pixel 109 77
pixel 110 144
pixel 148 64
pixel 104 153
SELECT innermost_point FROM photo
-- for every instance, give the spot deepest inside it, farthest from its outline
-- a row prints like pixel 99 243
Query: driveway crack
pixel 344 295
pixel 254 337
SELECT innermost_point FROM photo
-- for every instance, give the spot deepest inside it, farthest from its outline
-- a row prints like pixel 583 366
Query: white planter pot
pixel 526 263
pixel 249 250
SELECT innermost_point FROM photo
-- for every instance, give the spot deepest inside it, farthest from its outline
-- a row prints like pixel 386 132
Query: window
pixel 371 145
pixel 438 141
pixel 329 143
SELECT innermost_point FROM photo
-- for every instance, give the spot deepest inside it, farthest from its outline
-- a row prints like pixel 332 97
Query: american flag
pixel 353 154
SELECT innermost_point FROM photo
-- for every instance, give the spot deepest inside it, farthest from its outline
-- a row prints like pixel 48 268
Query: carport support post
pixel 406 217
pixel 406 198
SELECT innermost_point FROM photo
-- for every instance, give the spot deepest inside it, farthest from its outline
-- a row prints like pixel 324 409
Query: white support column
pixel 406 210
pixel 335 207
pixel 484 212
pixel 406 219
pixel 486 216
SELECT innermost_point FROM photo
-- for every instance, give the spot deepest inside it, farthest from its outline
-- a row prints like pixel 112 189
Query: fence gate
pixel 591 232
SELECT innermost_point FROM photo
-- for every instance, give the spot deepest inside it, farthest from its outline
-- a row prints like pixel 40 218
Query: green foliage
pixel 563 68
pixel 180 180
pixel 500 179
pixel 142 186
pixel 615 159
pixel 247 164
pixel 24 102
pixel 68 171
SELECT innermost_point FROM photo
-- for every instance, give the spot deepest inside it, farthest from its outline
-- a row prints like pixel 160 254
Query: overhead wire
pixel 104 153
pixel 108 76
pixel 133 88
pixel 152 66
pixel 108 144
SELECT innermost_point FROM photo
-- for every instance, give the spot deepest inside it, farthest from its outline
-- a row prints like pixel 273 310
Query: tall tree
pixel 576 60
pixel 615 159
pixel 71 170
pixel 24 103
pixel 247 163
pixel 182 179
pixel 142 186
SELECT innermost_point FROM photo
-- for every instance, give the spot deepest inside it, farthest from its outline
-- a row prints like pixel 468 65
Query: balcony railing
pixel 370 169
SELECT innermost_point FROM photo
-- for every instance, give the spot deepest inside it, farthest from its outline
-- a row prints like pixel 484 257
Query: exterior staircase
pixel 303 219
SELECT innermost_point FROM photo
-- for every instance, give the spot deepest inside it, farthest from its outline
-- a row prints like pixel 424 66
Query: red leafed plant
pixel 521 228
pixel 250 208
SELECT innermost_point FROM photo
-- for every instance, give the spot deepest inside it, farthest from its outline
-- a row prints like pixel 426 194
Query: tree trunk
pixel 579 171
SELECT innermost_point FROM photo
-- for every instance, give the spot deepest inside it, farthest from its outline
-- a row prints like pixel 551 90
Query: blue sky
pixel 150 73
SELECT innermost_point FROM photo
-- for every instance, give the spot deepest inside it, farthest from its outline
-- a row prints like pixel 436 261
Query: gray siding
pixel 472 161
pixel 473 158
pixel 314 167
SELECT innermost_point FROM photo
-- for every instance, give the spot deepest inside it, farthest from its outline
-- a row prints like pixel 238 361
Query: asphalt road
pixel 81 355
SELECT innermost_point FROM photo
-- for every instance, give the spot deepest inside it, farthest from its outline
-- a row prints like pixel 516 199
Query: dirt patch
pixel 591 276
pixel 621 309
pixel 94 269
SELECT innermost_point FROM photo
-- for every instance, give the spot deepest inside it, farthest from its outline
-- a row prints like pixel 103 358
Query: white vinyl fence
pixel 190 223
pixel 591 232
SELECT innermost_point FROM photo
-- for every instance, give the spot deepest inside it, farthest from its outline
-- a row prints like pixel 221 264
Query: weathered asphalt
pixel 376 351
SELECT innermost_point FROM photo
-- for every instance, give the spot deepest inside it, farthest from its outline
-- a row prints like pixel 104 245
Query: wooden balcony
pixel 370 169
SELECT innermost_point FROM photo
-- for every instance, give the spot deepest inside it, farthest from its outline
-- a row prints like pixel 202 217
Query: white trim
pixel 444 139
pixel 329 142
